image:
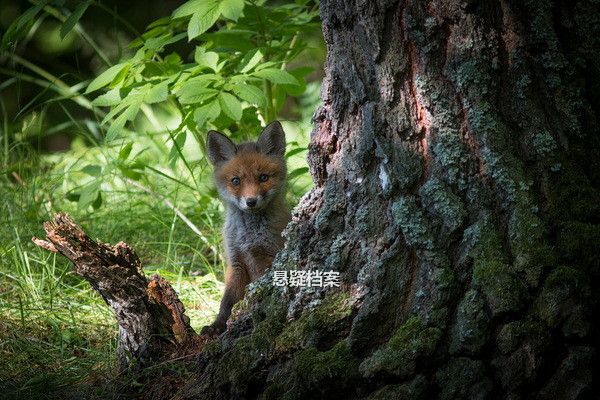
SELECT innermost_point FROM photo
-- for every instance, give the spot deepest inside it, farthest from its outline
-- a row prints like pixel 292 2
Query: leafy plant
pixel 230 72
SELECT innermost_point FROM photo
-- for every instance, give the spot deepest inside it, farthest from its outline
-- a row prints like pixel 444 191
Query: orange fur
pixel 248 167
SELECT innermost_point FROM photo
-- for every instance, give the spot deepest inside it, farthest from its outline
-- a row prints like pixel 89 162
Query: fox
pixel 251 181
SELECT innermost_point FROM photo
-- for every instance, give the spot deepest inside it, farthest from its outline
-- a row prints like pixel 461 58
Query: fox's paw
pixel 213 330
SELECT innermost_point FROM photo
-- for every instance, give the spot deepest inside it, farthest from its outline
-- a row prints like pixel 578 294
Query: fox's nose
pixel 251 202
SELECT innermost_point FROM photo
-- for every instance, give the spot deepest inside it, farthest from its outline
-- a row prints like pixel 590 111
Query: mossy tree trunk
pixel 455 162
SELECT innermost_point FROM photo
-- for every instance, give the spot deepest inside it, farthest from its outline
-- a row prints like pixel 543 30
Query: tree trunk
pixel 455 162
pixel 152 321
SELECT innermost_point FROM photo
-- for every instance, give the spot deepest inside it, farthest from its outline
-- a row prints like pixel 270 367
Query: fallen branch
pixel 151 318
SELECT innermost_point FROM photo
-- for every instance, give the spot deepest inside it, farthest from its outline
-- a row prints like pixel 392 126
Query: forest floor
pixel 57 336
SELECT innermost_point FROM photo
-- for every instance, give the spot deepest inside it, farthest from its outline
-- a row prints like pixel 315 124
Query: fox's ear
pixel 219 147
pixel 272 140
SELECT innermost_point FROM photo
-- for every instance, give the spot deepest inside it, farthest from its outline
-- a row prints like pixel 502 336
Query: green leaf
pixel 110 98
pixel 178 143
pixel 72 196
pixel 250 60
pixel 202 21
pixel 157 93
pixel 297 172
pixel 195 92
pixel 120 76
pixel 92 170
pixel 276 76
pixel 19 26
pixel 251 94
pixel 158 43
pixel 206 58
pixel 129 114
pixel 98 202
pixel 75 16
pixel 130 173
pixel 232 9
pixel 230 105
pixel 106 77
pixel 190 7
pixel 88 194
pixel 125 151
pixel 295 151
pixel 208 112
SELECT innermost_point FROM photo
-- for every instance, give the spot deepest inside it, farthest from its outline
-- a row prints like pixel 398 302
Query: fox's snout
pixel 251 202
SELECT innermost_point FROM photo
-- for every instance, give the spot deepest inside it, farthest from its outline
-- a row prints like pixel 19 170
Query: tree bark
pixel 455 162
pixel 152 321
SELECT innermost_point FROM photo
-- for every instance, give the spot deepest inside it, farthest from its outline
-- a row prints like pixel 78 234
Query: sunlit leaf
pixel 195 92
pixel 157 93
pixel 232 9
pixel 92 170
pixel 206 58
pixel 88 193
pixel 191 7
pixel 295 151
pixel 230 105
pixel 208 112
pixel 250 60
pixel 128 115
pixel 106 77
pixel 202 20
pixel 96 204
pixel 125 151
pixel 297 172
pixel 110 98
pixel 175 152
pixel 251 94
pixel 276 76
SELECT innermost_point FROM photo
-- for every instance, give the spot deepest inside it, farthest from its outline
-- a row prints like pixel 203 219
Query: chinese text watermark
pixel 306 278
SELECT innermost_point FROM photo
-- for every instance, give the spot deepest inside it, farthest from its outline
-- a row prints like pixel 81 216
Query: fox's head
pixel 249 175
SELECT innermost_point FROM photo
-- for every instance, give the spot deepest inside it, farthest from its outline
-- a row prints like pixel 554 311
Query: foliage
pixel 232 75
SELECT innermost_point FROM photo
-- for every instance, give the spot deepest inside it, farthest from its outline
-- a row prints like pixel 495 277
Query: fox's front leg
pixel 236 279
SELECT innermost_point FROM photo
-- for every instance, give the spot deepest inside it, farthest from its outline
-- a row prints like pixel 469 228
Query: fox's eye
pixel 235 181
pixel 263 178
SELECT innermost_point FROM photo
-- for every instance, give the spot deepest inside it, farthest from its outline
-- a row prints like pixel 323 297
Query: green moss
pixel 314 367
pixel 462 378
pixel 575 198
pixel 330 213
pixel 212 348
pixel 332 309
pixel 238 364
pixel 504 291
pixel 514 334
pixel 526 233
pixel 470 331
pixel 559 302
pixel 410 342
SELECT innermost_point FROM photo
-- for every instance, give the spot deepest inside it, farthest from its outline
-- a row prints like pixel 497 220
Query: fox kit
pixel 251 180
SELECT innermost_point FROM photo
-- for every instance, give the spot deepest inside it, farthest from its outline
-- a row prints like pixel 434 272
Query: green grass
pixel 56 333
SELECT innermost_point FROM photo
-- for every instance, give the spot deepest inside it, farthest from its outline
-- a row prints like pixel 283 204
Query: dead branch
pixel 151 318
